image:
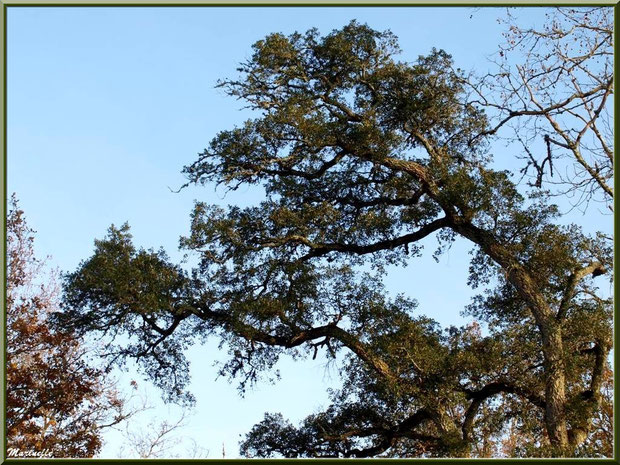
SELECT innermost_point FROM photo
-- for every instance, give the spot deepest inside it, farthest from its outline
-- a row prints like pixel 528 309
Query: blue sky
pixel 105 107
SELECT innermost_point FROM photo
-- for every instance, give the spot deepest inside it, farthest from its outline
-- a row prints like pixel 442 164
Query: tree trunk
pixel 555 395
pixel 551 332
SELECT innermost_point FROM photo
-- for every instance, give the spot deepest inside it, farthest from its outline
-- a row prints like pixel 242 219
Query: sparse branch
pixel 540 110
pixel 561 86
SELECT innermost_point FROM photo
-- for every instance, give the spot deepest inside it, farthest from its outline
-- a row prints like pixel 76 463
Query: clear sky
pixel 105 107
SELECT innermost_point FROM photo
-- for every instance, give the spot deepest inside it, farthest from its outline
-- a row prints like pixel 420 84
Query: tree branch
pixel 595 269
pixel 320 249
pixel 479 396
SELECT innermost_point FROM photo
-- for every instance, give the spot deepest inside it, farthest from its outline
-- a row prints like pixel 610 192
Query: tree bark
pixel 550 328
pixel 555 395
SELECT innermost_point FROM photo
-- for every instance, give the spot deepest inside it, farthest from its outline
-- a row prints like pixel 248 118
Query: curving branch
pixel 299 337
pixel 320 249
pixel 389 435
pixel 542 110
pixel 595 269
pixel 479 396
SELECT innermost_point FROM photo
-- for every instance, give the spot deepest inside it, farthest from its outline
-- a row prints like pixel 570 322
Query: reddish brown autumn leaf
pixel 56 402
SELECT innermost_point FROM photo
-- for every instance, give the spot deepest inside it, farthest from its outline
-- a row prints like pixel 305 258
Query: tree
pixel 158 440
pixel 57 402
pixel 361 157
pixel 555 97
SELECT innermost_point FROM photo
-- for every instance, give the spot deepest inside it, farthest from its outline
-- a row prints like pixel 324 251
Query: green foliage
pixel 361 157
pixel 139 293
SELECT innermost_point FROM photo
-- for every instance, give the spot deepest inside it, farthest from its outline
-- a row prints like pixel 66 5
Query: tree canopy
pixel 57 402
pixel 361 157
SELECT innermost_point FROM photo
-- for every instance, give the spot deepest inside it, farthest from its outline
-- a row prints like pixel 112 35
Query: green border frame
pixel 6 4
pixel 322 3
